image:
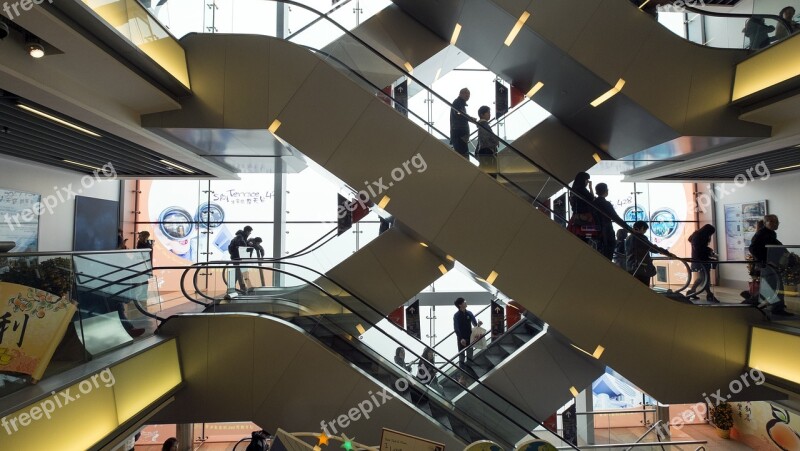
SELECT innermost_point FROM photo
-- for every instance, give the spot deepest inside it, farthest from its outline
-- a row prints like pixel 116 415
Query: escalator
pixel 363 360
pixel 490 229
pixel 676 94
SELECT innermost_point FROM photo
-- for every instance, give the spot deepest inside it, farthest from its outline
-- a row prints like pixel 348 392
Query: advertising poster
pixel 32 324
pixel 188 224
pixel 765 426
pixel 740 226
pixel 18 223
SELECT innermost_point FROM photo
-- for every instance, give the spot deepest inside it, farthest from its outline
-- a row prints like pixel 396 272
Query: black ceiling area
pixel 27 135
pixel 775 162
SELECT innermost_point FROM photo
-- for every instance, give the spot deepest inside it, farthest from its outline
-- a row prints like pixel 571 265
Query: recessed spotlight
pixel 34 48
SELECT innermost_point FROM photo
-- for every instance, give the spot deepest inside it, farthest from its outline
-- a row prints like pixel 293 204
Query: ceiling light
pixel 423 245
pixel 443 269
pixel 456 32
pixel 596 157
pixel 517 27
pixel 598 352
pixel 34 48
pixel 787 167
pixel 56 119
pixel 450 258
pixel 611 93
pixel 574 391
pixel 83 165
pixel 177 166
pixel 492 277
pixel 409 67
pixel 645 2
pixel 535 89
pixel 360 329
pixel 384 202
pixel 273 127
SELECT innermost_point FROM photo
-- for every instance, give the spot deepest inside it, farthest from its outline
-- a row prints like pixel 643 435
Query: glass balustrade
pixel 62 309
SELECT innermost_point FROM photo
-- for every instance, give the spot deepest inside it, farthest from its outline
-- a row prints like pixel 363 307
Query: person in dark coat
pixel 605 221
pixel 240 240
pixel 580 199
pixel 769 276
pixel 459 124
pixel 637 253
pixel 619 250
pixel 701 255
pixel 463 320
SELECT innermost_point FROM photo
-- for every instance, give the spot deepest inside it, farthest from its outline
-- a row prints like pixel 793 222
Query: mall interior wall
pixel 56 228
pixel 780 192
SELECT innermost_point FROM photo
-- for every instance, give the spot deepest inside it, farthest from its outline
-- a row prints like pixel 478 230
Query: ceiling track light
pixel 57 120
pixel 177 166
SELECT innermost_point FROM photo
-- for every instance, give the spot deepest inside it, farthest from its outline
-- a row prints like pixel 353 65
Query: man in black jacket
pixel 769 276
pixel 459 124
pixel 240 240
pixel 605 221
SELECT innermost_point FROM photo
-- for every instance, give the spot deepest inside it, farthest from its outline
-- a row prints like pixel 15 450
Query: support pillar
pixel 584 404
pixel 185 436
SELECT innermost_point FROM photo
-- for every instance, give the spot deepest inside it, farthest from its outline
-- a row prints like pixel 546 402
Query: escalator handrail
pixel 221 264
pixel 704 12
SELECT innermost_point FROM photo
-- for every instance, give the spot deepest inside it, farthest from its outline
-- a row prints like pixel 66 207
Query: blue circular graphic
pixel 175 223
pixel 663 223
pixel 209 216
pixel 633 214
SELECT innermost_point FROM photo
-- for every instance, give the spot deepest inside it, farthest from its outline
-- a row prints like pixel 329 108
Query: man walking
pixel 463 321
pixel 605 221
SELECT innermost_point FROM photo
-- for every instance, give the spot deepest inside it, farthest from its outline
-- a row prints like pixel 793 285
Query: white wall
pixel 55 230
pixel 781 192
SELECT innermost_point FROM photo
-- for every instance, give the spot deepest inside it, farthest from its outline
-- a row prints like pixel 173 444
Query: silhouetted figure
pixel 459 124
pixel 701 255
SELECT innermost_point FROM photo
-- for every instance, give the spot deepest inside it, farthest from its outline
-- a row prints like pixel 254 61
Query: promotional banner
pixel 412 320
pixel 766 426
pixel 32 324
pixel 740 226
pixel 401 98
pixel 513 315
pixel 397 317
pixel 498 319
pixel 18 223
pixel 500 99
pixel 190 223
pixel 517 96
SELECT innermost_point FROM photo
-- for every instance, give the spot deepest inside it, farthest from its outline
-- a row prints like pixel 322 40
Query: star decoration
pixel 323 439
pixel 348 444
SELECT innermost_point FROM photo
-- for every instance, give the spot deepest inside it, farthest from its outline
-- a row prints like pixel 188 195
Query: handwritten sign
pixel 398 441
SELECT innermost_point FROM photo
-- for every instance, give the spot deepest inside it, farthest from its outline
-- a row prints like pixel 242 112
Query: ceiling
pixel 777 161
pixel 24 134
